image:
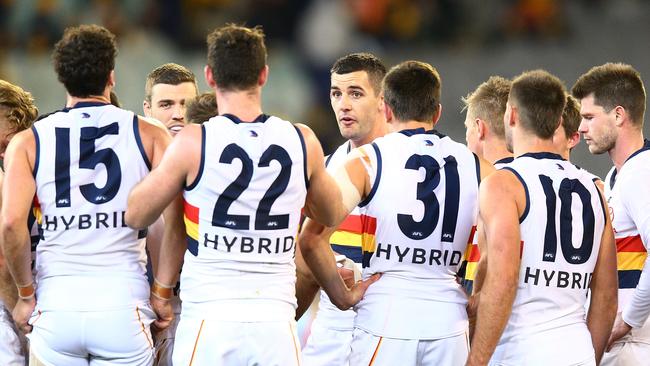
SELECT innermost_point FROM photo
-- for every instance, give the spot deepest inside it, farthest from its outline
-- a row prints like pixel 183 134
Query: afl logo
pixel 85 115
pixel 253 133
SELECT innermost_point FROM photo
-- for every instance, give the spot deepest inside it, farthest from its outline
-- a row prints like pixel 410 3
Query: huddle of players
pixel 403 207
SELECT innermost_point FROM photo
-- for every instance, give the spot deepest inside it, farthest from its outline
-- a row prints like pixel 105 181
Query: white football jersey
pixel 472 254
pixel 346 240
pixel 88 158
pixel 628 196
pixel 561 230
pixel 418 218
pixel 241 215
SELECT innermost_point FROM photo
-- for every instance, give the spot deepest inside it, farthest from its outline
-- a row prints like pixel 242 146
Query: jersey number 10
pixel 567 188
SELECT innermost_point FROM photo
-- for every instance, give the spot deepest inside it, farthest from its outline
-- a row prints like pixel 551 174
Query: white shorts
pixel 164 344
pixel 563 346
pixel 201 342
pixel 368 349
pixel 328 347
pixel 80 338
pixel 11 348
pixel 632 350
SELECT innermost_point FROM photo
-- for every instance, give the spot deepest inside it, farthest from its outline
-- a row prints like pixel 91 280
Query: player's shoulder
pixel 23 138
pixel 151 127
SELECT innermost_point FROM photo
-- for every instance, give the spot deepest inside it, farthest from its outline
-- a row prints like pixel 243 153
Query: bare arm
pixel 306 285
pixel 18 191
pixel 604 291
pixel 502 199
pixel 161 190
pixel 155 234
pixel 8 294
pixel 319 256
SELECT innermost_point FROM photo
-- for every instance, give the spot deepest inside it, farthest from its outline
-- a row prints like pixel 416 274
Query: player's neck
pixel 245 104
pixel 396 126
pixel 495 150
pixel 71 101
pixel 532 144
pixel 628 142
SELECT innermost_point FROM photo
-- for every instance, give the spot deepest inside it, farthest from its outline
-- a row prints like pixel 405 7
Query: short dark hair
pixel 614 84
pixel 170 73
pixel 362 61
pixel 18 106
pixel 201 108
pixel 540 98
pixel 84 58
pixel 488 102
pixel 412 91
pixel 236 56
pixel 571 115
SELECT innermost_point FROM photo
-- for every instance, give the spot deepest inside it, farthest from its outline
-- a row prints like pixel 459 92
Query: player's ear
pixel 513 115
pixel 146 108
pixel 264 75
pixel 481 128
pixel 209 77
pixel 388 113
pixel 111 79
pixel 436 117
pixel 620 115
pixel 574 140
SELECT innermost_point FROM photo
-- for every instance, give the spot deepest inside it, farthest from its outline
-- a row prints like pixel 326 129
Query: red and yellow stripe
pixel 191 218
pixel 631 255
pixel 356 231
pixel 36 209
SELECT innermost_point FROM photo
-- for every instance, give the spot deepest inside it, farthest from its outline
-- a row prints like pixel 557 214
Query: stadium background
pixel 466 40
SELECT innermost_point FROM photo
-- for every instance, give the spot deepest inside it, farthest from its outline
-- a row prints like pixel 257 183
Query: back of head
pixel 412 91
pixel 17 106
pixel 363 61
pixel 170 73
pixel 236 56
pixel 84 58
pixel 614 84
pixel 488 102
pixel 571 116
pixel 540 98
pixel 201 108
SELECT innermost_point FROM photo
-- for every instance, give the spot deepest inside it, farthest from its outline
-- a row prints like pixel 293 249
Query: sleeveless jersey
pixel 472 254
pixel 418 217
pixel 628 195
pixel 345 240
pixel 241 215
pixel 561 231
pixel 88 158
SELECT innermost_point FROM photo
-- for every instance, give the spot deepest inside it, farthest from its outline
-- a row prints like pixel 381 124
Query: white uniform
pixel 472 255
pixel 12 342
pixel 242 214
pixel 92 292
pixel 628 194
pixel 419 216
pixel 561 230
pixel 331 332
pixel 12 352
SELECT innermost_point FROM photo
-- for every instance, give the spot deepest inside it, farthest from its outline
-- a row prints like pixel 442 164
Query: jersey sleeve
pixel 636 199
